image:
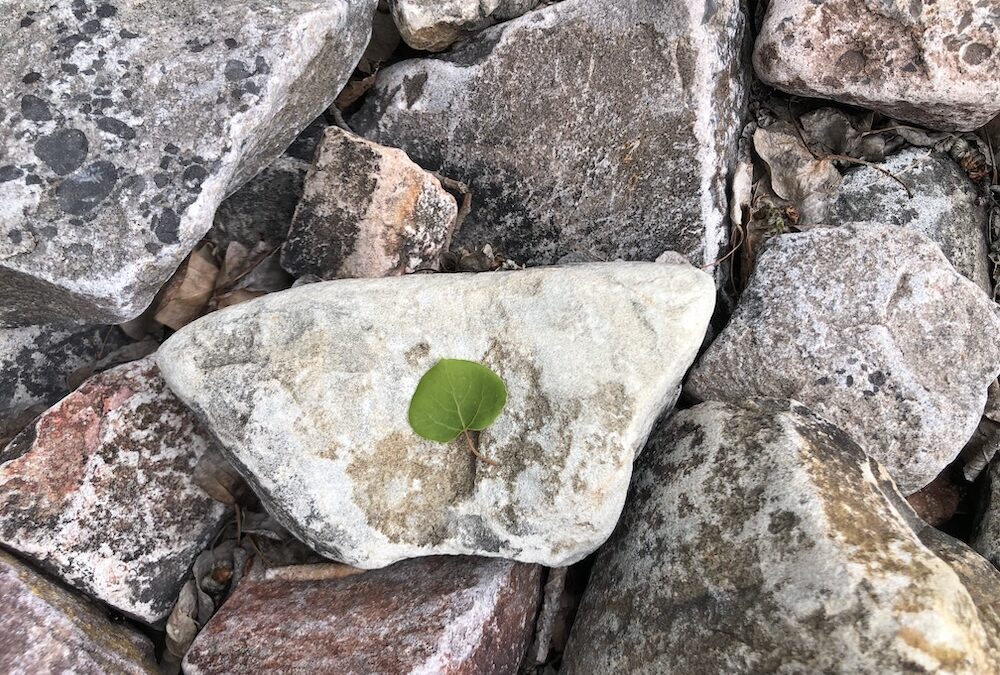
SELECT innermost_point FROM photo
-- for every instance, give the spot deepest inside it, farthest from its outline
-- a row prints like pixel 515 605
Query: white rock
pixel 872 328
pixel 434 25
pixel 308 392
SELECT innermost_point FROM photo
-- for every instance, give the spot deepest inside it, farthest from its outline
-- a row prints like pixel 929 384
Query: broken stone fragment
pixel 585 127
pixel 367 211
pixel 45 628
pixel 37 361
pixel 936 64
pixel 454 615
pixel 986 539
pixel 946 206
pixel 308 392
pixel 125 125
pixel 872 328
pixel 99 491
pixel 760 538
pixel 434 25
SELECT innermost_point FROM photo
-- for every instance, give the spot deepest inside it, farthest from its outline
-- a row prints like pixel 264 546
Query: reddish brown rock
pixel 367 211
pixel 47 629
pixel 99 491
pixel 442 615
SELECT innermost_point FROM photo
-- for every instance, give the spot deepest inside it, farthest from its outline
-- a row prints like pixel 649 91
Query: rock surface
pixel 986 539
pixel 308 391
pixel 367 211
pixel 47 629
pixel 872 328
pixel 99 491
pixel 945 206
pixel 262 210
pixel 585 127
pixel 36 362
pixel 125 125
pixel 933 63
pixel 433 25
pixel 762 539
pixel 455 616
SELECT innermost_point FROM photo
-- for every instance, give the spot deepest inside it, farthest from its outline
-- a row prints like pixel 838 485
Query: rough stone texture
pixel 47 629
pixel 761 539
pixel 986 539
pixel 872 328
pixel 944 206
pixel 367 211
pixel 124 125
pixel 308 392
pixel 933 63
pixel 262 209
pixel 99 491
pixel 449 616
pixel 36 361
pixel 586 127
pixel 434 25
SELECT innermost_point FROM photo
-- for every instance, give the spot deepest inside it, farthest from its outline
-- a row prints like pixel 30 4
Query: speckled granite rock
pixel 434 25
pixel 124 126
pixel 872 328
pixel 308 392
pixel 366 211
pixel 760 538
pixel 47 629
pixel 453 616
pixel 99 491
pixel 262 209
pixel 36 361
pixel 933 63
pixel 561 121
pixel 945 206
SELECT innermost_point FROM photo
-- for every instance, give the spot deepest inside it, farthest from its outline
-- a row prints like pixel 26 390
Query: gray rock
pixel 872 328
pixel 367 211
pixel 125 125
pixel 581 127
pixel 759 538
pixel 945 206
pixel 986 539
pixel 47 629
pixel 454 615
pixel 308 392
pixel 936 64
pixel 434 25
pixel 99 491
pixel 36 362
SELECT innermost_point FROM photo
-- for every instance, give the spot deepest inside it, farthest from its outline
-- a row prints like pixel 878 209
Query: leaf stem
pixel 475 451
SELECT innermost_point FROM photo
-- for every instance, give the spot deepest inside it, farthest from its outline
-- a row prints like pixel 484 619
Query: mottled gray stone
pixel 308 391
pixel 367 211
pixel 125 125
pixel 760 539
pixel 945 206
pixel 36 362
pixel 451 615
pixel 584 127
pixel 47 629
pixel 99 491
pixel 262 210
pixel 986 539
pixel 872 328
pixel 434 25
pixel 933 63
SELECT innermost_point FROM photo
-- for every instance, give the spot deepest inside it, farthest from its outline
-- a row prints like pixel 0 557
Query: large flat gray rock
pixel 308 392
pixel 872 328
pixel 124 125
pixel 597 129
pixel 933 63
pixel 759 538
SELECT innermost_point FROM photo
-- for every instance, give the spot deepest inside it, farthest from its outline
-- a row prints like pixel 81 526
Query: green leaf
pixel 454 396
